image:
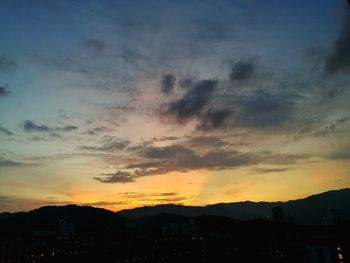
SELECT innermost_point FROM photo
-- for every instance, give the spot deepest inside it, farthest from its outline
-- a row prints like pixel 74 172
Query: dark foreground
pixel 83 235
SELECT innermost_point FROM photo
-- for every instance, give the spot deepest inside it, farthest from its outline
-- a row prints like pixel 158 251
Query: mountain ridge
pixel 313 209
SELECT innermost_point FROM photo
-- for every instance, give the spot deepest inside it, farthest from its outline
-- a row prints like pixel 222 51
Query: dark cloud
pixel 96 45
pixel 243 70
pixel 215 119
pixel 167 152
pixel 68 128
pixel 98 130
pixel 165 138
pixel 5 131
pixel 4 92
pixel 263 109
pixel 179 158
pixel 12 163
pixel 187 83
pixel 30 126
pixel 144 165
pixel 217 106
pixel 260 109
pixel 109 144
pixel 168 83
pixel 9 163
pixel 117 177
pixel 193 102
pixel 7 64
pixel 338 60
pixel 206 142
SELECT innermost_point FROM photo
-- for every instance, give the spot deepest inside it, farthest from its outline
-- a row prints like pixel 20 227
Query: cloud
pixel 7 64
pixel 338 60
pixel 150 160
pixel 168 83
pixel 264 109
pixel 117 177
pixel 215 118
pixel 4 92
pixel 9 163
pixel 67 128
pixel 243 70
pixel 165 138
pixel 187 82
pixel 109 144
pixel 167 152
pixel 12 163
pixel 98 130
pixel 30 126
pixel 5 131
pixel 192 102
pixel 162 160
pixel 219 105
pixel 206 141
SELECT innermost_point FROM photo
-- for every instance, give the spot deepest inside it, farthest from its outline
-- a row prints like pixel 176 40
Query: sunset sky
pixel 120 104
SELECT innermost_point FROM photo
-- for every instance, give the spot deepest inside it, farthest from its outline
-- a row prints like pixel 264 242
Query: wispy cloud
pixel 6 131
pixel 30 126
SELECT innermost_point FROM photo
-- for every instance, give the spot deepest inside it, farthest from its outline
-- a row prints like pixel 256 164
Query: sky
pixel 121 104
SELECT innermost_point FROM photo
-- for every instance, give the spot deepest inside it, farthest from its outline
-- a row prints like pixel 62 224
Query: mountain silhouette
pixel 314 209
pixel 86 219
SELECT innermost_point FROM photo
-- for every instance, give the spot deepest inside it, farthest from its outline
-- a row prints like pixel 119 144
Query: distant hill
pixel 85 218
pixel 311 210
